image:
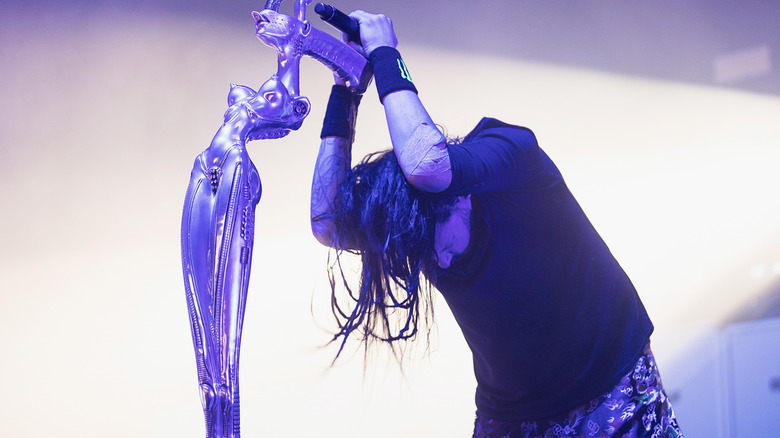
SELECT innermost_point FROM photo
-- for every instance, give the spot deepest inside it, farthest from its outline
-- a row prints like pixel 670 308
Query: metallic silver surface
pixel 295 37
pixel 217 232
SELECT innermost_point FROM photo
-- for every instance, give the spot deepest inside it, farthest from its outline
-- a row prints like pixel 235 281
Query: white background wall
pixel 102 114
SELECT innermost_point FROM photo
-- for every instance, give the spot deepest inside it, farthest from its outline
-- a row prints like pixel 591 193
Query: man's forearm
pixel 333 162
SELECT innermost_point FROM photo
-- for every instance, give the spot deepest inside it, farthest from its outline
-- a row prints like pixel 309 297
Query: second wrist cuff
pixel 341 113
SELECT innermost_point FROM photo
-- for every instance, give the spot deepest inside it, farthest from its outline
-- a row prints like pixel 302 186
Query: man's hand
pixel 376 30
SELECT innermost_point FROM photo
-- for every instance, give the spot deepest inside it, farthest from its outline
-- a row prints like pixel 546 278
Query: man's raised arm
pixel 419 145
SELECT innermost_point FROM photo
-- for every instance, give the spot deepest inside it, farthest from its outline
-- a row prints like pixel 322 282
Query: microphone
pixel 339 20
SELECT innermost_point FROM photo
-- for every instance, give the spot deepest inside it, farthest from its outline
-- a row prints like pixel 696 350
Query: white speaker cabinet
pixel 751 358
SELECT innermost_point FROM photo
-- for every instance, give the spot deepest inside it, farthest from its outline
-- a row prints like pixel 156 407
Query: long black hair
pixel 390 225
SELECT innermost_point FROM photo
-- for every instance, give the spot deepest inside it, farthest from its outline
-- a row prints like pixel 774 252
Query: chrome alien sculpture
pixel 217 232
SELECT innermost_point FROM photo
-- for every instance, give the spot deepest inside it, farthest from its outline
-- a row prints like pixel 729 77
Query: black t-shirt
pixel 551 318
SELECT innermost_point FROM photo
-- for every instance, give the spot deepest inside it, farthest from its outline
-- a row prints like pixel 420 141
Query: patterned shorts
pixel 636 407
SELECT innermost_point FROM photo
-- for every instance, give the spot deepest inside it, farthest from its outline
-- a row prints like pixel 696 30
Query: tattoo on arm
pixel 425 159
pixel 333 162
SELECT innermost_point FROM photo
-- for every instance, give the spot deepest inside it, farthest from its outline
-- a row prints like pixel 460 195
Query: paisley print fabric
pixel 636 407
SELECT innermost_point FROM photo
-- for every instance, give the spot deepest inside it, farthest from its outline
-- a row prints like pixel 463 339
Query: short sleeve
pixel 495 156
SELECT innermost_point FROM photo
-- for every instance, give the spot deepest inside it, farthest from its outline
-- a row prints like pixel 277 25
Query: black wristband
pixel 341 113
pixel 390 71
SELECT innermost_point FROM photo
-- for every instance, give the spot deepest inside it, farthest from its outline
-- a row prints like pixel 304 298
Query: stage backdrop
pixel 104 109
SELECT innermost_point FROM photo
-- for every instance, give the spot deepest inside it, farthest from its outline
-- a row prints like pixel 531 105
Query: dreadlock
pixel 390 226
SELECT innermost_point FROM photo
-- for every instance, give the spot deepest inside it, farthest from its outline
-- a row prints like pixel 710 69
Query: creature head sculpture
pixel 270 112
pixel 285 34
